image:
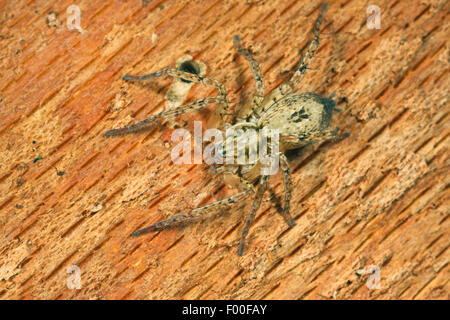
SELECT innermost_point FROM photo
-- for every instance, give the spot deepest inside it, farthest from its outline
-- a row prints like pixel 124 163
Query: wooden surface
pixel 379 197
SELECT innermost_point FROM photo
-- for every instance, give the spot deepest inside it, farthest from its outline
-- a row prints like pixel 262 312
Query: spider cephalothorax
pixel 300 118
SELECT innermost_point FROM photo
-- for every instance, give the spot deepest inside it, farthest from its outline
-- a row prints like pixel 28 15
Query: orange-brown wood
pixel 379 197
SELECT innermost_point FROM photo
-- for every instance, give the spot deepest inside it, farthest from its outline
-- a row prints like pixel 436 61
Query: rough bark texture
pixel 379 197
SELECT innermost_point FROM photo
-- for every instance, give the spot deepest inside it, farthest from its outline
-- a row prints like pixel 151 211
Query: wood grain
pixel 379 197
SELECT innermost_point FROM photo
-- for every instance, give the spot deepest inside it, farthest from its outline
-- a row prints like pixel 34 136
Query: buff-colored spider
pixel 301 118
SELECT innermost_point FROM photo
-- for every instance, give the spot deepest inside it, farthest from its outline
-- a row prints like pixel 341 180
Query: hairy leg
pixel 287 182
pixel 148 122
pixel 194 214
pixel 301 140
pixel 262 186
pixel 175 73
pixel 307 57
pixel 199 212
pixel 259 82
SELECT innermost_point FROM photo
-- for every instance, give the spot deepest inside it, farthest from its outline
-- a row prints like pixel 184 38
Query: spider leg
pixel 197 213
pixel 309 54
pixel 299 140
pixel 256 70
pixel 255 206
pixel 194 214
pixel 287 182
pixel 175 73
pixel 148 122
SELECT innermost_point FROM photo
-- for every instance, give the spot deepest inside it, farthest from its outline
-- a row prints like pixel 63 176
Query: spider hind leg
pixel 261 189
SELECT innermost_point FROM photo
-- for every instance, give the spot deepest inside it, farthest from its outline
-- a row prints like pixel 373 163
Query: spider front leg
pixel 262 187
pixel 256 70
pixel 194 106
pixel 175 73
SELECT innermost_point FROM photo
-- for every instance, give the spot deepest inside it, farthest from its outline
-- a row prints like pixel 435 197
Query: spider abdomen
pixel 299 114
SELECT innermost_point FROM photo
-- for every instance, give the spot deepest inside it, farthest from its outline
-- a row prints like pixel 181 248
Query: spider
pixel 300 117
